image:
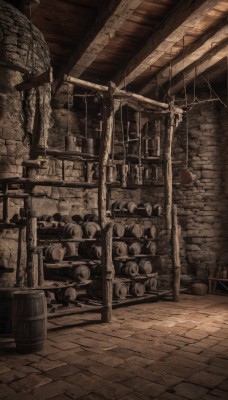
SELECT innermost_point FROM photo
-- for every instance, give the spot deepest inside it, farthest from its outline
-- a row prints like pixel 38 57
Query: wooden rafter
pixel 207 61
pixel 184 16
pixel 189 56
pixel 103 30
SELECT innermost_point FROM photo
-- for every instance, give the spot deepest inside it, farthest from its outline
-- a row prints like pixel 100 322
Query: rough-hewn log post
pixel 176 254
pixel 31 240
pixel 106 230
pixel 107 272
pixel 168 179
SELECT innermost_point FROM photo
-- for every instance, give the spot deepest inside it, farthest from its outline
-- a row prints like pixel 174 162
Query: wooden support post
pixel 106 230
pixel 105 149
pixel 31 240
pixel 168 167
pixel 107 272
pixel 40 267
pixel 176 254
pixel 6 218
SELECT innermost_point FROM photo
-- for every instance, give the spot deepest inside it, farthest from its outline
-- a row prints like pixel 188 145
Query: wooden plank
pixel 103 30
pixel 35 81
pixel 185 15
pixel 191 54
pixel 208 60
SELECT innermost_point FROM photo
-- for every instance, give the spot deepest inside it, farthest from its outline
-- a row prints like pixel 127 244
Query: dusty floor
pixel 162 350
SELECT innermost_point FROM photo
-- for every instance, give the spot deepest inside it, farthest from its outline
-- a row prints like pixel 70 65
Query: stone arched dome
pixel 22 45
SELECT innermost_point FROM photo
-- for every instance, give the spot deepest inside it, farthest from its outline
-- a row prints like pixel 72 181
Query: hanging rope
pixel 68 111
pixel 140 136
pixel 194 86
pixel 187 139
pixel 122 130
pixel 113 137
pixel 86 116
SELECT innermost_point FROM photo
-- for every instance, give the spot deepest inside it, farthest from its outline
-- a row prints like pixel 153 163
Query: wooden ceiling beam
pixel 191 54
pixel 104 29
pixel 199 67
pixel 185 15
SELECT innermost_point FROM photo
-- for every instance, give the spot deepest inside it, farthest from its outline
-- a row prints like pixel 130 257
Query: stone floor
pixel 161 350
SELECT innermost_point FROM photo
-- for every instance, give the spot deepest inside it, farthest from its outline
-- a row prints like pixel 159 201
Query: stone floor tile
pixel 169 396
pixel 219 394
pixel 53 389
pixel 30 382
pixel 106 359
pixel 86 380
pixel 62 371
pixel 45 364
pixel 224 385
pixel 120 352
pixel 3 368
pixel 91 396
pixel 65 345
pixel 135 396
pixel 189 390
pixel 5 391
pixel 62 354
pixel 11 376
pixel 180 360
pixel 61 397
pixel 27 369
pixel 112 374
pixel 219 362
pixel 144 386
pixel 140 361
pixel 174 369
pixel 206 379
pixel 216 370
pixel 113 391
pixel 21 396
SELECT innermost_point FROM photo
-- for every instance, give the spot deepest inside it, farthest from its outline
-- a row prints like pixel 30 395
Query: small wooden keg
pixel 199 289
pixel 120 290
pixel 80 273
pixel 151 232
pixel 151 248
pixel 134 230
pixel 145 266
pixel 119 249
pixel 54 253
pixel 73 231
pixel 145 209
pixel 130 269
pixel 134 248
pixel 29 318
pixel 131 207
pixel 95 252
pixel 118 230
pixel 137 289
pixel 66 295
pixel 157 210
pixel 91 229
pixel 151 284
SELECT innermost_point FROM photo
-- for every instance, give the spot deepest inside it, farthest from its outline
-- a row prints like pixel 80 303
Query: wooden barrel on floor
pixel 6 300
pixel 29 317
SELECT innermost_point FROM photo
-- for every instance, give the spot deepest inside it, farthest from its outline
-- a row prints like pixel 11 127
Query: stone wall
pixel 23 51
pixel 202 205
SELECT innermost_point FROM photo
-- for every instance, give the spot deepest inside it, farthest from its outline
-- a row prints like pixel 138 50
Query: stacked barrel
pixel 76 250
